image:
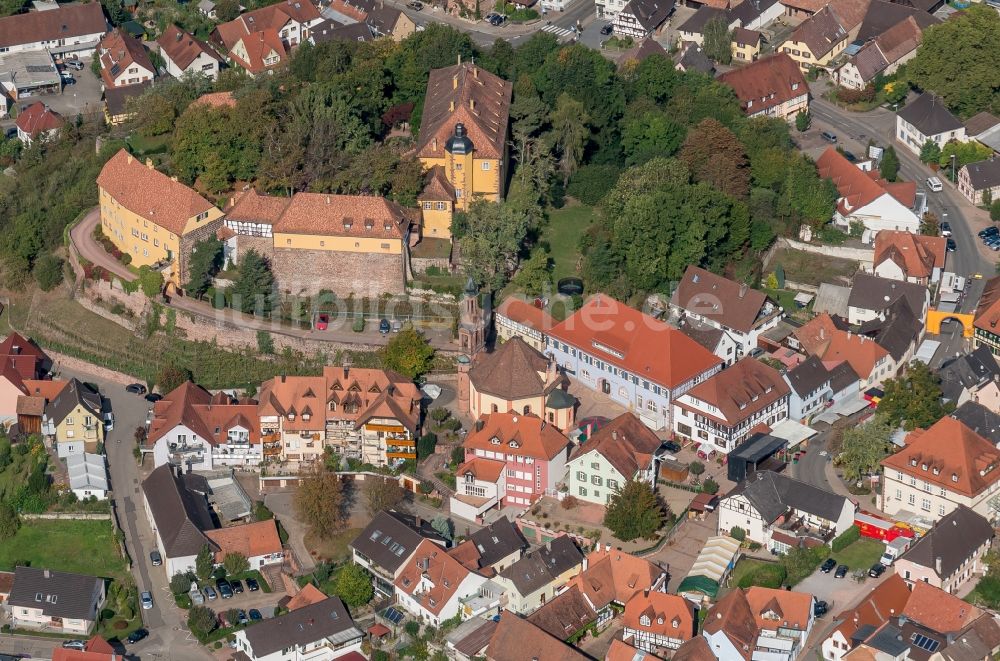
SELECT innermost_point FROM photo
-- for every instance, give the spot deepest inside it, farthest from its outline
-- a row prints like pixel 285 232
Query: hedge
pixel 845 539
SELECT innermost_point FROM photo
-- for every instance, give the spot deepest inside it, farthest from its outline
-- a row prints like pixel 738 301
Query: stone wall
pixel 419 265
pixel 188 243
pixel 306 272
pixel 263 246
pixel 62 361
pixel 843 252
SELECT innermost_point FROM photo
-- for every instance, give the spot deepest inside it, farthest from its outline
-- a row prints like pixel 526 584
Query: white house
pixel 927 118
pixel 321 631
pixel 872 296
pixel 775 510
pixel 760 623
pixel 433 585
pixel 178 517
pixel 623 450
pixel 810 386
pixel 657 621
pixel 185 54
pixel 480 485
pixel 882 55
pixel 124 60
pixel 54 601
pixel 88 476
pixel 911 257
pixel 71 30
pixel 868 199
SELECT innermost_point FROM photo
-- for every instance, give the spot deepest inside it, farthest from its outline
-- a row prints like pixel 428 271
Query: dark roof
pixel 650 13
pixel 705 335
pixel 888 639
pixel 984 174
pixel 541 566
pixel 980 123
pixel 952 541
pixel 117 98
pixel 897 332
pixel 882 15
pixel 477 640
pixel 776 77
pixel 642 50
pixel 330 30
pixel 979 419
pixel 773 494
pixel 842 376
pixel 180 515
pixel 807 376
pixel 870 292
pixel 565 615
pixel 497 541
pixel 930 115
pixel 65 22
pixel 969 370
pixel 820 32
pixel 702 17
pixel 58 594
pixel 302 626
pixel 69 397
pixel 748 10
pixel 693 58
pixel 382 19
pixel 757 447
pixel 388 541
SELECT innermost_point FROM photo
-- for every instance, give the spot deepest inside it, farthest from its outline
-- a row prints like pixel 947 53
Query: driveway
pixel 82 237
pixel 839 593
pixel 678 556
pixel 82 98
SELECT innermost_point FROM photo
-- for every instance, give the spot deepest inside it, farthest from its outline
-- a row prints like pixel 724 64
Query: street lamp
pixel 953 169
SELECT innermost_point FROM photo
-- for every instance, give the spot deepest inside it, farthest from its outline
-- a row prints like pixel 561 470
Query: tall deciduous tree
pixel 864 447
pixel 718 41
pixel 570 132
pixel 634 511
pixel 650 135
pixel 319 501
pixel 204 563
pixel 914 399
pixel 205 262
pixel 382 494
pixel 235 563
pixel 715 155
pixel 492 241
pixel 254 288
pixel 409 353
pixel 354 586
pixel 890 164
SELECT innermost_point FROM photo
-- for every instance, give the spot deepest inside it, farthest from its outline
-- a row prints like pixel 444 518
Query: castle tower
pixel 459 166
pixel 472 323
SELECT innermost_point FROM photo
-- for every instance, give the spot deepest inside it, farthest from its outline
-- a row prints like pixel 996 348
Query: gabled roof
pixel 900 40
pixel 740 391
pixel 330 30
pixel 116 98
pixel 980 123
pixel 210 417
pixel 988 309
pixel 119 51
pixel 938 610
pixel 72 395
pixel 269 18
pixel 24 355
pixel 513 371
pixel 259 46
pixel 882 15
pixel 615 577
pixel 952 542
pixel 308 595
pixel 543 565
pixel 856 187
pixel 431 577
pixel 930 115
pixel 495 542
pixel 514 636
pixel 56 593
pixel 650 14
pixel 182 48
pixel 436 186
pixel 486 470
pixel 869 61
pixel 779 608
pixel 696 649
pixel 821 32
pixel 850 13
pixel 151 194
pixel 249 539
pixel 642 50
pixel 977 417
pixel 525 313
pixel 821 337
pixel 733 616
pixel 951 456
pixel 388 542
pixel 769 82
pixel 342 215
pixel 882 603
pixel 253 207
pixel 626 443
pixel 984 174
pixel 565 615
pixel 314 623
pixel 732 304
pixel 702 17
pixel 643 346
pixel 180 515
pixel 660 614
pixel 87 471
pixel 774 494
pixel 917 255
pixel 466 94
pixel 64 22
pixel 807 376
pixel 524 435
pixel 39 118
pixel 896 331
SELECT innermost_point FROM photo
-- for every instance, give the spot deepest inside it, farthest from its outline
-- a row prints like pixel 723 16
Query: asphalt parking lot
pixel 838 592
pixel 82 98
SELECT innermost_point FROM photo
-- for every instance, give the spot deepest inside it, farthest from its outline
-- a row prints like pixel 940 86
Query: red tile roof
pixel 253 207
pixel 938 610
pixel 342 215
pixel 988 310
pixel 151 194
pixel 625 442
pixel 668 615
pixel 487 470
pixel 615 576
pixel 444 576
pixel 211 417
pixel 66 22
pixel 950 456
pixel 307 596
pixel 885 601
pixel 119 51
pixel 260 47
pixel 771 78
pixel 622 651
pixel 182 49
pixel 39 118
pixel 522 312
pixel 820 337
pixel 740 391
pixel 857 188
pixel 773 608
pixel 215 100
pixel 916 255
pixel 733 616
pixel 514 637
pixel 23 354
pixel 248 539
pixel 633 341
pixel 523 435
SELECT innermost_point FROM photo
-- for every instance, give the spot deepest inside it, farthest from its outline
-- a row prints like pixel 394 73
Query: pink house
pixel 531 452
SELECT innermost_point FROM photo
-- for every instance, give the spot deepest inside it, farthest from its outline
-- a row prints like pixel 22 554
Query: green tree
pixel 319 501
pixel 235 563
pixel 227 10
pixel 715 155
pixel 354 586
pixel 444 527
pixel 890 164
pixel 737 533
pixel 930 152
pixel 180 583
pixel 864 447
pixel 534 277
pixel 913 399
pixel 995 210
pixel 254 289
pixel 929 224
pixel 205 262
pixel 10 522
pixel 592 182
pixel 492 241
pixel 150 281
pixel 696 468
pixel 201 621
pixel 172 376
pixel 382 494
pixel 570 132
pixel 802 121
pixel 426 445
pixel 265 343
pixel 634 511
pixel 408 353
pixel 204 563
pixel 964 153
pixel 48 272
pixel 718 43
pixel 652 134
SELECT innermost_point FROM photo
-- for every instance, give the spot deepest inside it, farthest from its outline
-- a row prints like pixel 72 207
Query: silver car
pixel 147 601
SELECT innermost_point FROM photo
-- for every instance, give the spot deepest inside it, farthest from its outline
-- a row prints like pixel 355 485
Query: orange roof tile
pixel 615 576
pixel 916 255
pixel 514 636
pixel 253 207
pixel 444 573
pixel 249 539
pixel 182 49
pixel 525 313
pixel 523 435
pixel 856 187
pixel 260 47
pixel 625 442
pixel 885 601
pixel 215 100
pixel 988 309
pixel 633 341
pixel 733 616
pixel 211 417
pixel 622 651
pixel 487 470
pixel 938 610
pixel 742 390
pixel 668 615
pixel 307 596
pixel 45 389
pixel 951 456
pixel 39 118
pixel 151 194
pixel 342 215
pixel 119 51
pixel 773 608
pixel 821 338
pixel 773 74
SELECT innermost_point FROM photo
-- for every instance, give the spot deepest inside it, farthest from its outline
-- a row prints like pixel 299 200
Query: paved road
pixel 28 646
pixel 168 639
pixel 82 237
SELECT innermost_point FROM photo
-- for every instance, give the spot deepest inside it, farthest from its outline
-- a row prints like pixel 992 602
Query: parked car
pixel 67 78
pixel 210 593
pixel 136 636
pixel 829 137
pixel 935 184
pixel 154 397
pixel 136 388
pixel 828 565
pixel 821 608
pixel 237 586
pixel 851 158
pixel 252 585
pixel 672 446
pixel 497 20
pixel 155 558
pixel 607 29
pixel 397 325
pixel 417 6
pixel 255 615
pixel 224 588
pixel 241 617
pixel 841 571
pixel 74 644
pixel 194 593
pixel 945 228
pixel 109 421
pixel 76 65
pixel 147 600
pixel 322 322
pixel 950 245
pixel 11 132
pixel 876 570
pixel 384 327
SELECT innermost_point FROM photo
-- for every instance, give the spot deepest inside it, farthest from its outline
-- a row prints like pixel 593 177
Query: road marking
pixel 560 33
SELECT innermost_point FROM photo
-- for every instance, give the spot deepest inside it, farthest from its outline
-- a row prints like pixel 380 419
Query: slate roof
pixel 970 370
pixel 980 123
pixel 832 299
pixel 180 515
pixel 930 115
pixel 330 30
pixel 72 395
pixel 642 50
pixel 117 98
pixel 883 15
pixel 388 542
pixel 870 292
pixel 543 565
pixel 693 58
pixel 807 376
pixel 897 332
pixel 773 494
pixel 58 594
pixel 700 18
pixel 325 619
pixel 984 174
pixel 650 13
pixel 732 304
pixel 979 419
pixel 497 541
pixel 952 541
pixel 748 10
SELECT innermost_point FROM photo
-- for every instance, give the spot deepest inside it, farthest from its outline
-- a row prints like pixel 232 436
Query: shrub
pixel 457 455
pixel 569 502
pixel 412 627
pixel 737 533
pixel 995 210
pixel 592 182
pixel 696 468
pixel 265 344
pixel 48 272
pixel 425 487
pixel 426 445
pixel 845 539
pixel 710 486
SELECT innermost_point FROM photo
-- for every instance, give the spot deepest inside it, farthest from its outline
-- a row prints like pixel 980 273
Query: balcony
pixel 394 452
pixel 272 449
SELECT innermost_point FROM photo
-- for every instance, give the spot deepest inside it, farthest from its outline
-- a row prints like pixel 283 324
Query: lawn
pixel 744 567
pixel 785 298
pixel 84 547
pixel 862 554
pixel 333 549
pixel 812 269
pixel 562 234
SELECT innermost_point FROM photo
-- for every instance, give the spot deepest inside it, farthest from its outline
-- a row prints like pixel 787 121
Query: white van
pixel 935 184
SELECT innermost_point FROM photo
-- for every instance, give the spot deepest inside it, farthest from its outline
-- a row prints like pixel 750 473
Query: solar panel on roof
pixel 393 615
pixel 925 643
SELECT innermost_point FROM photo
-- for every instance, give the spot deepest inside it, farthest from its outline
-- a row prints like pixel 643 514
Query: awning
pixel 793 432
pixel 378 630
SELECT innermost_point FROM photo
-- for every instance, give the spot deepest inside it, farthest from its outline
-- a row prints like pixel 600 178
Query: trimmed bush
pixel 844 540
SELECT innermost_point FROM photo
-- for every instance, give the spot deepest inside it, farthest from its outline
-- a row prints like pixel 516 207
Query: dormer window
pixel 795 86
pixel 494 441
pixel 291 416
pixel 514 444
pixel 659 620
pixel 923 467
pixel 937 471
pixel 954 477
pixel 306 416
pixel 913 462
pixel 644 620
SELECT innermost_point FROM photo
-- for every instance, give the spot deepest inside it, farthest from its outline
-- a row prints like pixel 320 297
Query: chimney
pixel 479 425
pixel 459 62
pixel 743 289
pixel 174 178
pixel 454 82
pixel 46 573
pixel 614 434
pixel 328 199
pixel 180 35
pixel 129 157
pixel 451 106
pixel 282 378
pixel 417 521
pixel 937 565
pixel 475 73
pixel 472 104
pixel 149 163
pixel 347 370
